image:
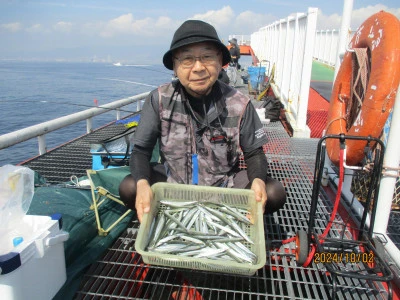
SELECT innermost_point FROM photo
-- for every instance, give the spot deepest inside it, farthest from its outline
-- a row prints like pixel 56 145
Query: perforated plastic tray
pixel 233 197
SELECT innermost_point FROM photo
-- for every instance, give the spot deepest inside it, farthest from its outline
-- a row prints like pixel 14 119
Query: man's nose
pixel 198 65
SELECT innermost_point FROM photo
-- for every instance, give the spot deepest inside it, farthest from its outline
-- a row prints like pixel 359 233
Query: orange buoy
pixel 379 36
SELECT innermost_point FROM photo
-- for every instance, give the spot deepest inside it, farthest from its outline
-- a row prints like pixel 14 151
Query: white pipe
pixel 391 160
pixel 343 36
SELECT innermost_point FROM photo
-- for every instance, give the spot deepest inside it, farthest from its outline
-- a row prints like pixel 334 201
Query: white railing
pixel 288 44
pixel 40 130
pixel 326 45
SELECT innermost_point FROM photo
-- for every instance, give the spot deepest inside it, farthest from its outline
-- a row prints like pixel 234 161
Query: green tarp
pixel 84 245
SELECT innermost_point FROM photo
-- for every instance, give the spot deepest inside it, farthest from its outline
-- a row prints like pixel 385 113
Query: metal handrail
pixel 40 130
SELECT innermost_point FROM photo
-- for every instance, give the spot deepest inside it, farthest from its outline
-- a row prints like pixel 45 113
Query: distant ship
pixel 118 64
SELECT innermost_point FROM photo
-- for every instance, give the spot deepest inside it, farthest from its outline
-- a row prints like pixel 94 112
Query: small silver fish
pixel 207 229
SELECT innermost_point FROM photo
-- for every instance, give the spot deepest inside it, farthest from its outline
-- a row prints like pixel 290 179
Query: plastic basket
pixel 233 197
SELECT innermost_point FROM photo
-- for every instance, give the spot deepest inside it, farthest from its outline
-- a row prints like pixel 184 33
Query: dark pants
pixel 276 194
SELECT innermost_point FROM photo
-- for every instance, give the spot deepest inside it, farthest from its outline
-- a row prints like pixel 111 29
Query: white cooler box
pixel 35 269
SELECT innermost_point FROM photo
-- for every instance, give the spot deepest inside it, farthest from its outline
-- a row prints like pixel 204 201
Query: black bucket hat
pixel 195 31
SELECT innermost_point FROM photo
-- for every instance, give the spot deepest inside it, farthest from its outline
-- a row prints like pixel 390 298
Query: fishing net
pixel 360 76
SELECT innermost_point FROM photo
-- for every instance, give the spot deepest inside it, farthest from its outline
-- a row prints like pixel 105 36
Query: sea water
pixel 35 92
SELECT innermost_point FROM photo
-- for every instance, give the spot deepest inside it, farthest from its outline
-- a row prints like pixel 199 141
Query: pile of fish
pixel 194 229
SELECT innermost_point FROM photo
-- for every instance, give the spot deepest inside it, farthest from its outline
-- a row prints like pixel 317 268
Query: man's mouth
pixel 199 80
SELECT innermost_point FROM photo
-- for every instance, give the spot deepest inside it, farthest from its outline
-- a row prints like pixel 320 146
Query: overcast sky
pixel 141 31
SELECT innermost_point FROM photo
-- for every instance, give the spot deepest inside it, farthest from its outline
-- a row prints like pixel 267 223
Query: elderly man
pixel 202 126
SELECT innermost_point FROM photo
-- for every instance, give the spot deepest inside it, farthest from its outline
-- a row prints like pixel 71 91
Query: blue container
pixel 97 159
pixel 257 76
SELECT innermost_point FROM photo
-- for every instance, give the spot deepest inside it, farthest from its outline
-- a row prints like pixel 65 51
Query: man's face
pixel 197 67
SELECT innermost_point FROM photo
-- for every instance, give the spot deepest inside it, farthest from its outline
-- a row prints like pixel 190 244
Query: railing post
pixel 284 83
pixel 332 46
pixel 89 125
pixel 118 111
pixel 292 96
pixel 281 52
pixel 301 116
pixel 326 46
pixel 42 144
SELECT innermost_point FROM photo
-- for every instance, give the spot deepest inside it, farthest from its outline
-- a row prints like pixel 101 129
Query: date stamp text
pixel 344 257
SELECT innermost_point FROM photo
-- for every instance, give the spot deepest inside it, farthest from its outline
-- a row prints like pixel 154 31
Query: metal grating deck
pixel 121 274
pixel 72 158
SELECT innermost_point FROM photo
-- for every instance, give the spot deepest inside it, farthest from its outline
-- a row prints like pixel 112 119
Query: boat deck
pixel 121 273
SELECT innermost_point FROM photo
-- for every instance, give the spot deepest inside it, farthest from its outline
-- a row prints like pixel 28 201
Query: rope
pixel 333 120
pixel 343 100
pixel 359 80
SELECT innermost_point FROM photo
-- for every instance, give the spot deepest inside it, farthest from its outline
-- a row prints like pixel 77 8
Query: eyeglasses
pixel 188 61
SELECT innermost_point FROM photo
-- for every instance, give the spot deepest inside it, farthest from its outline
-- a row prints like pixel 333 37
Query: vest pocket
pixel 221 156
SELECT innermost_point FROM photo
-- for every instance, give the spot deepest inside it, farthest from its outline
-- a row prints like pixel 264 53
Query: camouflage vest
pixel 218 154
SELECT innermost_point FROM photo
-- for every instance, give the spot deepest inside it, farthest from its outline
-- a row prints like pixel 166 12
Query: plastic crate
pixel 240 198
pixel 35 269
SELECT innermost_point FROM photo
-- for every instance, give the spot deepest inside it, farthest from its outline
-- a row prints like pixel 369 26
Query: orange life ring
pixel 380 33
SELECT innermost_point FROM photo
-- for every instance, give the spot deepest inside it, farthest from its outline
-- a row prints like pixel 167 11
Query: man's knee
pixel 276 195
pixel 127 191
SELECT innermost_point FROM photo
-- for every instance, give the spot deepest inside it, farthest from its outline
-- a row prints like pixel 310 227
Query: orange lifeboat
pixel 379 35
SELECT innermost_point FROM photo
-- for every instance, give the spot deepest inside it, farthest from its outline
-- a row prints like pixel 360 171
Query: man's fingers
pixel 258 196
pixel 139 210
pixel 258 193
pixel 146 204
pixel 143 204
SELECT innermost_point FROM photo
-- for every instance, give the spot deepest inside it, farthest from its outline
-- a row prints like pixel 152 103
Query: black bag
pixel 272 107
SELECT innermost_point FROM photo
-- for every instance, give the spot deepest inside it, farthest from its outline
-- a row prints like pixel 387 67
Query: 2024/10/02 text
pixel 343 257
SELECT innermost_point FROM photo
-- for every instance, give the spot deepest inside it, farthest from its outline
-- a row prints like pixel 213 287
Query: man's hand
pixel 144 196
pixel 258 186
